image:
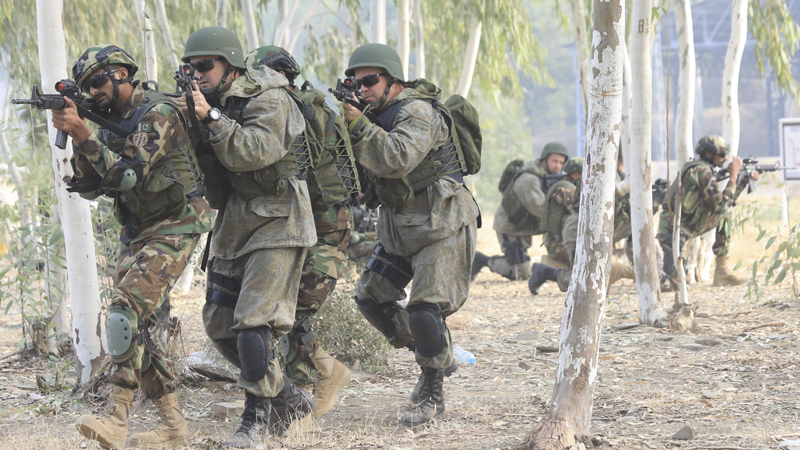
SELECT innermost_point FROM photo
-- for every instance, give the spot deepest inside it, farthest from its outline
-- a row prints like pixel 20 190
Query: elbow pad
pixel 125 174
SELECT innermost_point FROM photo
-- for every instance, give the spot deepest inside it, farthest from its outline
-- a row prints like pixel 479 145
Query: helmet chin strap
pixel 216 90
pixel 381 103
pixel 116 82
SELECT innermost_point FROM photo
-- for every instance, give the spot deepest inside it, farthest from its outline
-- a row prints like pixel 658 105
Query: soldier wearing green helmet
pixel 519 215
pixel 153 176
pixel 427 223
pixel 705 207
pixel 256 160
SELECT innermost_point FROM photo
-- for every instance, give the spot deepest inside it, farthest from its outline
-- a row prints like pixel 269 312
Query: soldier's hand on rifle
pixel 69 121
pixel 351 113
pixel 734 167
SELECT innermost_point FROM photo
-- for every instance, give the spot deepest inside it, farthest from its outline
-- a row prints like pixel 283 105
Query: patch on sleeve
pixel 146 126
pixel 139 139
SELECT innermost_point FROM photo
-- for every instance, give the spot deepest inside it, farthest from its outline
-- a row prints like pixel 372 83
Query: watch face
pixel 214 113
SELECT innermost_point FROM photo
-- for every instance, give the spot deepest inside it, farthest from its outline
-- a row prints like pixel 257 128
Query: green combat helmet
pixel 554 147
pixel 573 165
pixel 101 56
pixel 215 41
pixel 714 144
pixel 276 58
pixel 377 55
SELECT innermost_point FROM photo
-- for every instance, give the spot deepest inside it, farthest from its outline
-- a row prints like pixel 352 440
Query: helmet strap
pixel 218 89
pixel 381 103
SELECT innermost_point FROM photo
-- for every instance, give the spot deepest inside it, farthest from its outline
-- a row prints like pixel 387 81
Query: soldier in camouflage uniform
pixel 705 207
pixel 333 187
pixel 155 181
pixel 255 160
pixel 427 225
pixel 518 217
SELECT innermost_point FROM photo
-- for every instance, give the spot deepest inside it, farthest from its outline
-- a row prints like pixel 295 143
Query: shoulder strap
pixel 387 117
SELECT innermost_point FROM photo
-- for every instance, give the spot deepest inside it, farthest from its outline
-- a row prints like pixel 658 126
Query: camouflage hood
pixel 418 89
pixel 534 166
pixel 254 82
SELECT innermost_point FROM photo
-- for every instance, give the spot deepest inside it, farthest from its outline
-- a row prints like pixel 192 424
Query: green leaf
pixel 738 264
pixel 781 275
pixel 761 235
pixel 770 242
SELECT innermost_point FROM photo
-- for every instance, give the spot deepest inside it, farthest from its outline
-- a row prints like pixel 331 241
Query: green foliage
pixel 106 236
pixel 777 38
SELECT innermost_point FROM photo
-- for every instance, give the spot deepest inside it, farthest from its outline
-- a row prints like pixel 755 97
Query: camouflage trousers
pixel 441 275
pixel 717 221
pixel 146 271
pixel 321 269
pixel 514 264
pixel 264 284
pixel 557 248
pixel 361 245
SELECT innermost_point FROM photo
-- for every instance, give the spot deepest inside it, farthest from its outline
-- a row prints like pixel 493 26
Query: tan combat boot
pixel 173 431
pixel 723 276
pixel 110 431
pixel 332 377
pixel 619 270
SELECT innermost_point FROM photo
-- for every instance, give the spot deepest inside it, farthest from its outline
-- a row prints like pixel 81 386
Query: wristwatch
pixel 213 116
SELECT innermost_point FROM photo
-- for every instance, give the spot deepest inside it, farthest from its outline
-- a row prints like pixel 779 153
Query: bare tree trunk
pixel 403 34
pixel 282 33
pixel 166 32
pixel 625 138
pixel 471 56
pixel 250 28
pixel 644 243
pixel 686 82
pixel 570 411
pixel 283 10
pixel 150 56
pixel 295 34
pixel 76 220
pixel 222 13
pixel 377 21
pixel 730 75
pixel 581 43
pixel 58 328
pixel 419 29
pixel 683 293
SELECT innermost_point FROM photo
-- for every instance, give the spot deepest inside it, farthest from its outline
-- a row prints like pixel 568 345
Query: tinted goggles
pixel 97 81
pixel 204 65
pixel 370 80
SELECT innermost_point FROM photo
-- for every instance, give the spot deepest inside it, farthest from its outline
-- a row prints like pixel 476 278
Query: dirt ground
pixel 734 381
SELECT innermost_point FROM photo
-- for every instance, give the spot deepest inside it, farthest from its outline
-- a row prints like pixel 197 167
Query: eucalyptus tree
pixel 222 13
pixel 580 21
pixel 148 40
pixel 250 27
pixel 419 34
pixel 777 35
pixel 730 75
pixel 570 407
pixel 166 33
pixel 687 66
pixel 404 33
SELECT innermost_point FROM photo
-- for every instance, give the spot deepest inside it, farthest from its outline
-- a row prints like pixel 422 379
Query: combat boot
pixel 619 270
pixel 332 377
pixel 256 420
pixel 539 274
pixel 173 431
pixel 479 262
pixel 415 393
pixel 110 431
pixel 290 404
pixel 432 396
pixel 723 276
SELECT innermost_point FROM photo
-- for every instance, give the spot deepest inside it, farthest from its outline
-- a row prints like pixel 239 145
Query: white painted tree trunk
pixel 730 75
pixel 250 28
pixel 625 138
pixel 581 43
pixel 222 13
pixel 403 34
pixel 148 38
pixel 282 33
pixel 686 82
pixel 87 317
pixel 471 56
pixel 56 292
pixel 295 34
pixel 419 30
pixel 166 33
pixel 570 413
pixel 377 21
pixel 644 243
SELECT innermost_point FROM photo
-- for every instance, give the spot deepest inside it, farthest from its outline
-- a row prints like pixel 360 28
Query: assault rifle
pixel 660 190
pixel 347 91
pixel 87 108
pixel 749 166
pixel 184 80
pixel 551 179
pixel 364 219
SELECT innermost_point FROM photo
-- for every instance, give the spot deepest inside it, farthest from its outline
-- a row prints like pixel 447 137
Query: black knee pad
pixel 229 350
pixel 255 352
pixel 428 328
pixel 379 316
pixel 392 267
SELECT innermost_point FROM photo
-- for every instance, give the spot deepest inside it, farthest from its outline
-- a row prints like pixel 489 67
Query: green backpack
pixel 509 173
pixel 465 126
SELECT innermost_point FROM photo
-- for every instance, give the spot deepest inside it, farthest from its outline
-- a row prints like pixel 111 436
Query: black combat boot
pixel 539 274
pixel 255 422
pixel 291 403
pixel 478 263
pixel 432 396
pixel 415 393
pixel 670 276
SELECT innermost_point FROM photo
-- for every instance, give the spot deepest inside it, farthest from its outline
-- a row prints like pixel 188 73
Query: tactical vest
pixel 445 160
pixel 695 212
pixel 269 180
pixel 171 182
pixel 332 178
pixel 512 205
pixel 553 213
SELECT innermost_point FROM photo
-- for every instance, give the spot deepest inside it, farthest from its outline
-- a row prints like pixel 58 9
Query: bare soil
pixel 734 381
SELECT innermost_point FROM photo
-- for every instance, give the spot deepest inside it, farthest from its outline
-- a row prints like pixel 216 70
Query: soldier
pixel 518 217
pixel 363 235
pixel 255 161
pixel 704 207
pixel 333 186
pixel 427 222
pixel 155 181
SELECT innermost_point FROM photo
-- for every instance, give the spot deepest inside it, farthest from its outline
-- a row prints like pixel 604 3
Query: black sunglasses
pixel 97 81
pixel 370 80
pixel 204 65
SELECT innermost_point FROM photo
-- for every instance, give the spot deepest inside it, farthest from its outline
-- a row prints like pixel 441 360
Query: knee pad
pixel 229 350
pixel 122 333
pixel 255 352
pixel 392 267
pixel 428 328
pixel 379 316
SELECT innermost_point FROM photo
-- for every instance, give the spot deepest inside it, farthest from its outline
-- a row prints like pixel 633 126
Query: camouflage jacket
pixel 447 206
pixel 703 197
pixel 528 189
pixel 560 201
pixel 160 132
pixel 270 123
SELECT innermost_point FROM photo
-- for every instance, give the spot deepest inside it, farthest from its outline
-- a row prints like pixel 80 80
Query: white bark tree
pixel 148 38
pixel 295 33
pixel 468 69
pixel 282 33
pixel 419 32
pixel 377 21
pixel 626 113
pixel 250 28
pixel 730 75
pixel 56 292
pixel 684 118
pixel 570 413
pixel 87 317
pixel 403 34
pixel 581 44
pixel 166 33
pixel 644 243
pixel 222 13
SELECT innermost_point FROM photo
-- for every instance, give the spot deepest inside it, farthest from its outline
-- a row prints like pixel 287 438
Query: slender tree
pixel 377 21
pixel 148 38
pixel 419 32
pixel 295 33
pixel 626 113
pixel 470 58
pixel 404 34
pixel 166 33
pixel 570 412
pixel 222 13
pixel 730 75
pixel 686 82
pixel 250 27
pixel 581 49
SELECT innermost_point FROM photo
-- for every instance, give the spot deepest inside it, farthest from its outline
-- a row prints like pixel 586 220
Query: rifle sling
pixel 104 123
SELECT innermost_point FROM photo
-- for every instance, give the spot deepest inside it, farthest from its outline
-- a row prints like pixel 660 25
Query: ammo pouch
pixel 515 252
pixel 392 267
pixel 218 296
